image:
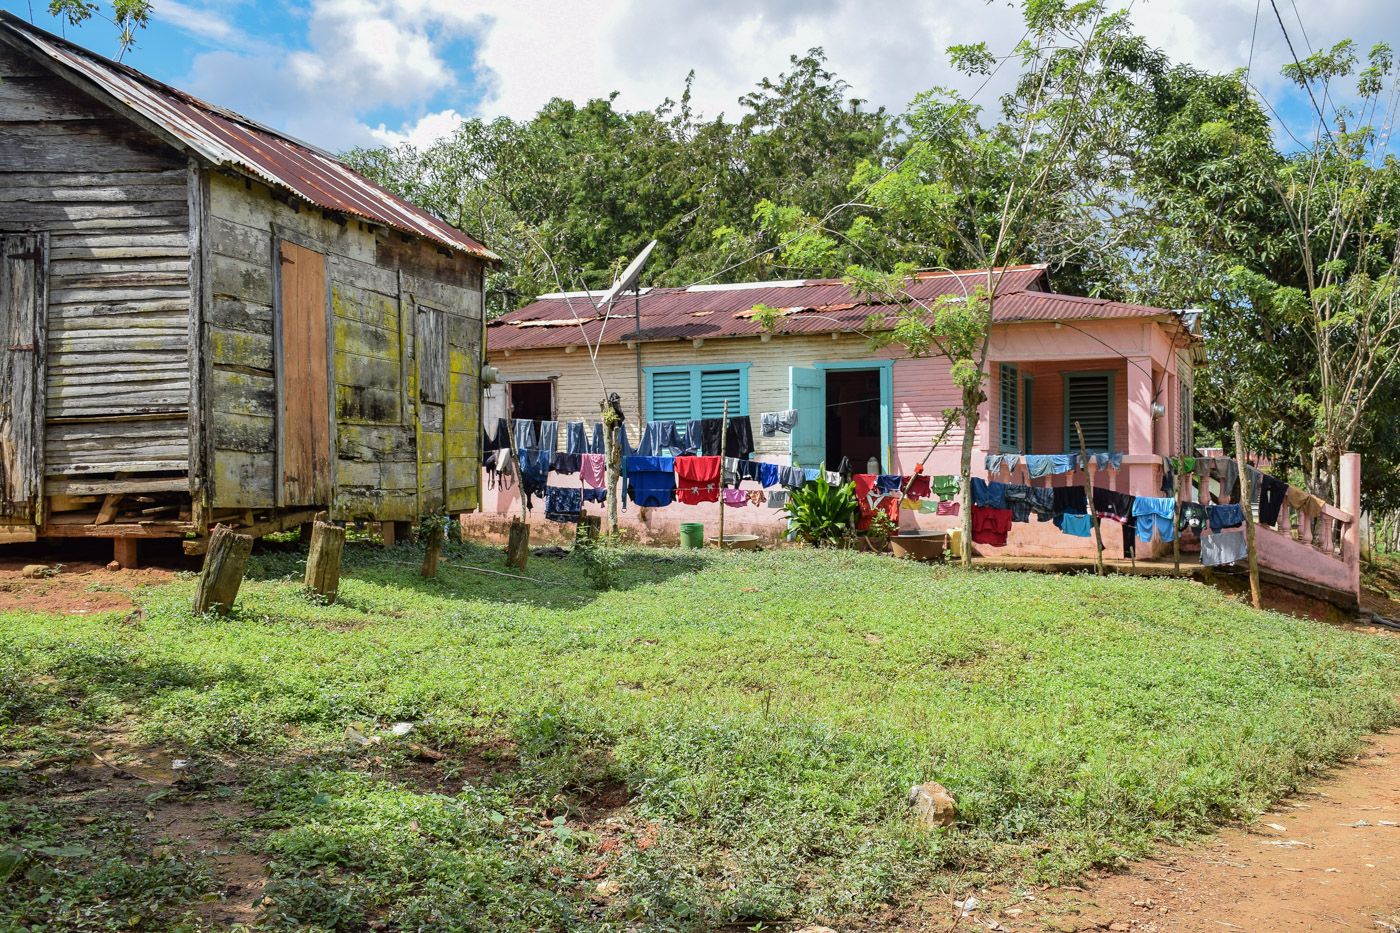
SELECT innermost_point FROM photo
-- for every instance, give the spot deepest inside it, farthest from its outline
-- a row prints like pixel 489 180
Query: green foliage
pixel 820 513
pixel 127 15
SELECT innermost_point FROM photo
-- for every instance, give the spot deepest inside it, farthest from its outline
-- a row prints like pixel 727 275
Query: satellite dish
pixel 628 279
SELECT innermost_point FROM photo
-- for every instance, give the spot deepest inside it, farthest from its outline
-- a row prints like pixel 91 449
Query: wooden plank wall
pixel 376 278
pixel 113 199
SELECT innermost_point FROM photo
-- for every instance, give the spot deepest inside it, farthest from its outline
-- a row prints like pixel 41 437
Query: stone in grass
pixel 936 807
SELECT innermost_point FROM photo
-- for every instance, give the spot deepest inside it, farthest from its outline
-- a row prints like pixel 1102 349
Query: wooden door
pixel 807 394
pixel 306 412
pixel 23 312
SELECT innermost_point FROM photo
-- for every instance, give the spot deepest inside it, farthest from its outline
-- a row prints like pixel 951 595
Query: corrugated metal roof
pixel 226 138
pixel 814 306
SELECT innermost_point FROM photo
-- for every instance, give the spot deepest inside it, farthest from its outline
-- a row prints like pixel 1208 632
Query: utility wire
pixel 1307 83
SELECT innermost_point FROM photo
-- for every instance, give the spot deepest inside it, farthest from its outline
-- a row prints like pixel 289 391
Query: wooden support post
pixel 1089 501
pixel 433 552
pixel 126 552
pixel 386 534
pixel 304 531
pixel 224 563
pixel 1246 497
pixel 723 431
pixel 108 511
pixel 589 528
pixel 1176 529
pixel 518 544
pixel 323 559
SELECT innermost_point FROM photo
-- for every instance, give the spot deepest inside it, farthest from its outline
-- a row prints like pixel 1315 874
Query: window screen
pixel 717 387
pixel 1089 401
pixel 670 396
pixel 1010 407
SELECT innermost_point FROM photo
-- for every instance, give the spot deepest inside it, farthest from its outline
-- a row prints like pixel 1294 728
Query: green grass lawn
pixel 713 738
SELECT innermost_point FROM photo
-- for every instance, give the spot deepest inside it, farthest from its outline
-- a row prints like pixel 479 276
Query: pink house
pixel 1124 372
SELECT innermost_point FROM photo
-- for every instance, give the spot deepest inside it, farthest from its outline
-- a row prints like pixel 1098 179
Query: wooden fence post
pixel 433 553
pixel 1176 530
pixel 518 544
pixel 323 559
pixel 225 560
pixel 1245 500
pixel 1089 499
pixel 723 431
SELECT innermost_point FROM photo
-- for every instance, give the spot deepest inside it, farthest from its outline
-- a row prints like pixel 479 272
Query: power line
pixel 1302 74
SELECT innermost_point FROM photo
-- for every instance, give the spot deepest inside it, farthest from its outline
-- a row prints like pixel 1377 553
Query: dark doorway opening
pixel 853 418
pixel 532 401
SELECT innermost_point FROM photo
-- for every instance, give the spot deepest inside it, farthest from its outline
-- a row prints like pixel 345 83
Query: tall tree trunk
pixel 612 455
pixel 972 400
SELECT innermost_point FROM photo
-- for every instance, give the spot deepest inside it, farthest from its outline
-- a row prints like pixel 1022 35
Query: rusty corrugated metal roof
pixel 226 138
pixel 812 306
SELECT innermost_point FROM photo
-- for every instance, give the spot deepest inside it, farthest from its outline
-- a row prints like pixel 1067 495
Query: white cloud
pixel 368 55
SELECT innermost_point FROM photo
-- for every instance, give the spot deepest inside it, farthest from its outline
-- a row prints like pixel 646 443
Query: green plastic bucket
pixel 692 534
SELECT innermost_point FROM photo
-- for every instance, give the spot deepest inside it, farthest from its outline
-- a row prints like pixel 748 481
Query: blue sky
pixel 341 73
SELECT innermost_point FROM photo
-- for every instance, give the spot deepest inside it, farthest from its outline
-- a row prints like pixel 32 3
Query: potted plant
pixel 821 514
pixel 877 536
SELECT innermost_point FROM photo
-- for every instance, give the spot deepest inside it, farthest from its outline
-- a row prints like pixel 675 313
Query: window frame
pixel 1110 377
pixel 649 372
pixel 1009 408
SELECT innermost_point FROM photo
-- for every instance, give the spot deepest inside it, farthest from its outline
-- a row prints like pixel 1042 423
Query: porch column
pixel 1349 500
pixel 1142 465
pixel 1140 428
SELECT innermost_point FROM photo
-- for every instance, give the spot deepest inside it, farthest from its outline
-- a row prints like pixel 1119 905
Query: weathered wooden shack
pixel 206 321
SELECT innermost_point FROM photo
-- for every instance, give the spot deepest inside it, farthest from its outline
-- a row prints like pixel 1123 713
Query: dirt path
pixel 1328 859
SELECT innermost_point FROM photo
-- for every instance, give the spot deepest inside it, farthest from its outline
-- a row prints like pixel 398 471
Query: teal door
pixel 807 394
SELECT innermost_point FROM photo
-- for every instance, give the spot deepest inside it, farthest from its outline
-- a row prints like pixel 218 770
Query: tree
pixel 995 195
pixel 127 15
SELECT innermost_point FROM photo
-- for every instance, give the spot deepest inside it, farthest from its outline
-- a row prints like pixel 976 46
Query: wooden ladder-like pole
pixel 1246 498
pixel 1089 501
pixel 723 431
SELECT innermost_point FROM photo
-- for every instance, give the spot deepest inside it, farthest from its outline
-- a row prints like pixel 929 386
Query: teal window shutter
pixel 1010 406
pixel 717 387
pixel 1089 401
pixel 670 397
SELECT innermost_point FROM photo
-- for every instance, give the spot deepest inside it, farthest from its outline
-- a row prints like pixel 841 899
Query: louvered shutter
pixel 670 397
pixel 1010 407
pixel 1089 400
pixel 715 388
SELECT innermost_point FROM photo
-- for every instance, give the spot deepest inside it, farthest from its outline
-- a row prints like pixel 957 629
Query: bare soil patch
pixel 82 586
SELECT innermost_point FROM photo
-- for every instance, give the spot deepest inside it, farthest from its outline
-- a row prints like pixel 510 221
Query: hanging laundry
pixel 919 487
pixel 1304 502
pixel 889 482
pixel 814 475
pixel 738 439
pixel 833 478
pixel 1081 526
pixel 697 479
pixel 777 498
pixel 1225 516
pixel 988 495
pixel 1227 471
pixel 1168 474
pixel 735 498
pixel 1185 464
pixel 730 472
pixel 748 469
pixel 1227 547
pixel 990 525
pixel 595 444
pixel 1193 517
pixel 651 480
pixel 498 438
pixel 945 487
pixel 1065 463
pixel 567 463
pixel 1159 513
pixel 1039 465
pixel 757 497
pixel 872 500
pixel 660 439
pixel 594 495
pixel 1018 500
pixel 562 504
pixel 534 473
pixel 575 438
pixel 994 463
pixel 792 477
pixel 1070 500
pixel 1114 506
pixel 593 470
pixel 1042 500
pixel 768 474
pixel 1272 494
pixel 524 431
pixel 949 508
pixel 775 421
